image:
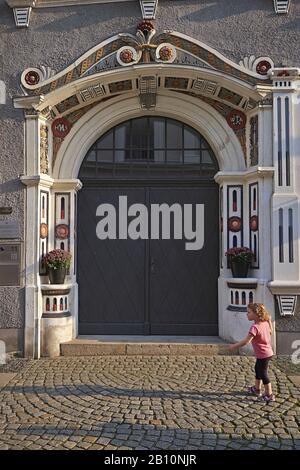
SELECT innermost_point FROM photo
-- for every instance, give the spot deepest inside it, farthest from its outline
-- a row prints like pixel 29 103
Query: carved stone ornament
pixel 166 53
pixel 43 231
pixel 62 231
pixel 128 56
pixel 33 76
pixel 144 49
pixel 260 65
pixel 145 26
pixel 61 127
pixel 44 162
pixel 236 119
pixel 253 223
pixel 146 46
pixel 234 224
pixel 263 67
pixel 254 140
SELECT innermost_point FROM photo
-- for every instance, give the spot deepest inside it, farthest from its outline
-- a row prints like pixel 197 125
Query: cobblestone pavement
pixel 150 402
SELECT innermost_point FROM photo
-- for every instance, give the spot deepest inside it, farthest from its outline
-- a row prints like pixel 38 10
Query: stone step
pixel 145 346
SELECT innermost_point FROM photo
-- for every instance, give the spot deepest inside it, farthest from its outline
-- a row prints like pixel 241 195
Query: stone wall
pixel 56 37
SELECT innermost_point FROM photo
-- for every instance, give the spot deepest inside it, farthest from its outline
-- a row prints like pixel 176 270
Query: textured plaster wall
pixel 58 36
pixel 12 306
pixel 11 166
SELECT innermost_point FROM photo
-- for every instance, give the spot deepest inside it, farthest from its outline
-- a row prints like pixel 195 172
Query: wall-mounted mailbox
pixel 9 229
pixel 10 264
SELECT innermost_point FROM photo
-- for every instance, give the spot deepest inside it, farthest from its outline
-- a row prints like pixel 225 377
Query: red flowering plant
pixel 56 259
pixel 240 254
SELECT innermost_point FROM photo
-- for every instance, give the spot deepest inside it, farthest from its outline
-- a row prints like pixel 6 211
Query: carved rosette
pixel 62 231
pixel 33 78
pixel 44 145
pixel 263 67
pixel 145 26
pixel 165 53
pixel 127 55
pixel 234 224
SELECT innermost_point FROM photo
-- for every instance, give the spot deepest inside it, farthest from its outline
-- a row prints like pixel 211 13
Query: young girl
pixel 260 337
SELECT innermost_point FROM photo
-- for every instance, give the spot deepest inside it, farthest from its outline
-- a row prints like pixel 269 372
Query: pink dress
pixel 261 342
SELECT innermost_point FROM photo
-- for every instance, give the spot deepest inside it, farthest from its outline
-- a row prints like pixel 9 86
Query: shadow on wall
pixel 11 186
pixel 220 9
pixel 258 10
pixel 82 17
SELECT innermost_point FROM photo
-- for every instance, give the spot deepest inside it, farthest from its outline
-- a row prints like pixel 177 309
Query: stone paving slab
pixel 160 347
pixel 5 378
pixel 146 402
pixel 295 379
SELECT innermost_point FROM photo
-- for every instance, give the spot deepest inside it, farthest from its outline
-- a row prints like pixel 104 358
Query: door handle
pixel 152 265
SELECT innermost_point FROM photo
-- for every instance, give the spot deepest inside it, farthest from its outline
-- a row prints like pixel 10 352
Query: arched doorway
pixel 162 283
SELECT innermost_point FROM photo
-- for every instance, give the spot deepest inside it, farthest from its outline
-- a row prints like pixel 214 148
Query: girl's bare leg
pixel 258 384
pixel 268 389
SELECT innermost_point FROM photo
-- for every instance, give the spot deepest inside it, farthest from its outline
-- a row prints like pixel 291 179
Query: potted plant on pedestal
pixel 57 263
pixel 239 259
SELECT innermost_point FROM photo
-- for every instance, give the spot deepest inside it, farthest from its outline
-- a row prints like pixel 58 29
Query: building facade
pixel 126 106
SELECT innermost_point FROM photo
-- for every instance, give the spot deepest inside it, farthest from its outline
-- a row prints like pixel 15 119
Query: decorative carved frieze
pixel 234 216
pixel 148 8
pixel 92 93
pixel 254 140
pixel 22 17
pixel 281 6
pixel 125 50
pixel 44 230
pixel 253 197
pixel 44 162
pixel 148 89
pixel 287 305
pixel 204 87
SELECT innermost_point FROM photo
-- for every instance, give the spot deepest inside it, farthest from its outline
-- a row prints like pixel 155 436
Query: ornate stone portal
pixel 169 74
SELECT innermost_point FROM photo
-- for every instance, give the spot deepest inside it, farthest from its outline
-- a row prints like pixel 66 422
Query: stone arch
pixel 187 109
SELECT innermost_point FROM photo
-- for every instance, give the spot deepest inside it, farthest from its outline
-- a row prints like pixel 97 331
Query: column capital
pixel 67 185
pixel 36 180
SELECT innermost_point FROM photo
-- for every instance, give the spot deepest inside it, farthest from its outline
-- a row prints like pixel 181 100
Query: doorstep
pixel 145 345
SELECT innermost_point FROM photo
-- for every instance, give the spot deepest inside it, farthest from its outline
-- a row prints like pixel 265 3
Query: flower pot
pixel 239 269
pixel 57 276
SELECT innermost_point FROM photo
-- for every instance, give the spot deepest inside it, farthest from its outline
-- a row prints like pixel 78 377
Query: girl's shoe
pixel 254 391
pixel 268 398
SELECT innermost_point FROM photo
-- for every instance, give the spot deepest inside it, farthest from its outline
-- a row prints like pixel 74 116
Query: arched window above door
pixel 154 146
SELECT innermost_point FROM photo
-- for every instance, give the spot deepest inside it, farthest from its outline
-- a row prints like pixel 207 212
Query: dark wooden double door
pixel 147 287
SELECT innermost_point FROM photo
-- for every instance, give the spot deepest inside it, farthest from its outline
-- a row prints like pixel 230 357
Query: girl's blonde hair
pixel 261 312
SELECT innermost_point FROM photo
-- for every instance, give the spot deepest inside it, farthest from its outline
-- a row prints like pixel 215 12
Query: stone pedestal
pixel 57 321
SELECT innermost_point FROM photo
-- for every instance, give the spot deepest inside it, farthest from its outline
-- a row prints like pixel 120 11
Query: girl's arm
pixel 242 343
pixel 270 325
